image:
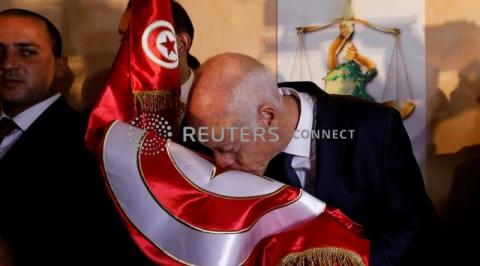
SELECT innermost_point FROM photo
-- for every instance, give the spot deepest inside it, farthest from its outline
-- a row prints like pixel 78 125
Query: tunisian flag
pixel 142 86
pixel 144 81
pixel 178 209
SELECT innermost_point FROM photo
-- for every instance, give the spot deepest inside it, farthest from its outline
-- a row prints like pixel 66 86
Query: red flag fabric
pixel 178 214
pixel 173 219
pixel 142 86
pixel 153 53
pixel 339 243
pixel 116 102
pixel 144 81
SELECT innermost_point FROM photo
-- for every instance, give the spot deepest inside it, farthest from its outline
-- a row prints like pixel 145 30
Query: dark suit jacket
pixel 372 177
pixel 54 209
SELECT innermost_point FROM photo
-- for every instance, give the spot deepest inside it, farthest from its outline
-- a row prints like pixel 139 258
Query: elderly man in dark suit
pixel 349 153
pixel 53 207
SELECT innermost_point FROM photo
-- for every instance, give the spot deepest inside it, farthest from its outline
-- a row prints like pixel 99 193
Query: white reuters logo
pixel 159 44
pixel 152 123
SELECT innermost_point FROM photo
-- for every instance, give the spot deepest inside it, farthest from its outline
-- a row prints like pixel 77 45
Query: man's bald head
pixel 235 91
pixel 229 69
pixel 232 87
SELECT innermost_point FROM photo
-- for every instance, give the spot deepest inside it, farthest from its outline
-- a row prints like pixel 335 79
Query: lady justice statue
pixel 348 77
pixel 351 74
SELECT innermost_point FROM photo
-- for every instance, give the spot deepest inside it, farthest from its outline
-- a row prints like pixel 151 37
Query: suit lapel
pixel 38 131
pixel 303 86
pixel 329 152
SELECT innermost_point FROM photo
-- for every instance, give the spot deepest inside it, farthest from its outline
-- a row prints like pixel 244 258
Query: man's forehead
pixel 23 27
pixel 15 19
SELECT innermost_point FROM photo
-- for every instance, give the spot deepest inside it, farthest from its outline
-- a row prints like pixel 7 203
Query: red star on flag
pixel 170 45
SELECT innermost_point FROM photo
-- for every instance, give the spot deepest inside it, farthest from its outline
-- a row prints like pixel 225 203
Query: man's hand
pixel 350 52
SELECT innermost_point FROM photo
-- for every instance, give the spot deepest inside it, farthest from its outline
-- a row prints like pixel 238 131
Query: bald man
pixel 352 154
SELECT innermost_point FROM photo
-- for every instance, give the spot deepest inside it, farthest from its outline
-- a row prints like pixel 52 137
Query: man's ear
pixel 267 115
pixel 64 76
pixel 61 66
pixel 125 20
pixel 184 42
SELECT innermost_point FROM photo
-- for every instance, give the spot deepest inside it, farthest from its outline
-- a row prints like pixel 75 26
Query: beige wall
pixel 89 29
pixel 242 26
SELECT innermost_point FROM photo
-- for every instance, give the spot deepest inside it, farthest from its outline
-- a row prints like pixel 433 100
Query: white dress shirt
pixel 184 91
pixel 24 120
pixel 185 87
pixel 302 146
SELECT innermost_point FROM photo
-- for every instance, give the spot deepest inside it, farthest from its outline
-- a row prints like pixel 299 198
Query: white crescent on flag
pixel 160 45
pixel 174 234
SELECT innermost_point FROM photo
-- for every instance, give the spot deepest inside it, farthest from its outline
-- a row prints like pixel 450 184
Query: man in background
pixel 53 204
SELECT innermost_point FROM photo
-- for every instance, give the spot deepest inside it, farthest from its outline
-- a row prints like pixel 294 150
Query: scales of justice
pixel 352 76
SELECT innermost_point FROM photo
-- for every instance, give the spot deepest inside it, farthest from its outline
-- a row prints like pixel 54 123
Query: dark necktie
pixel 280 168
pixel 6 126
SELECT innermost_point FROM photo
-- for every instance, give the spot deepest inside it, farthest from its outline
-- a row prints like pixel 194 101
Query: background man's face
pixel 27 63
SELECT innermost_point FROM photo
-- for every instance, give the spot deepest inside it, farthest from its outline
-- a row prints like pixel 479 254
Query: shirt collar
pixel 26 118
pixel 300 144
pixel 186 86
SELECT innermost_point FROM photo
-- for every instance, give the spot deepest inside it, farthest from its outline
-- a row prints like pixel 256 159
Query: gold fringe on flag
pixel 329 256
pixel 155 101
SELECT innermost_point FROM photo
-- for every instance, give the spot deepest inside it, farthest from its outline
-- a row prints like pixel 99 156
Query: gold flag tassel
pixel 329 256
pixel 157 101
